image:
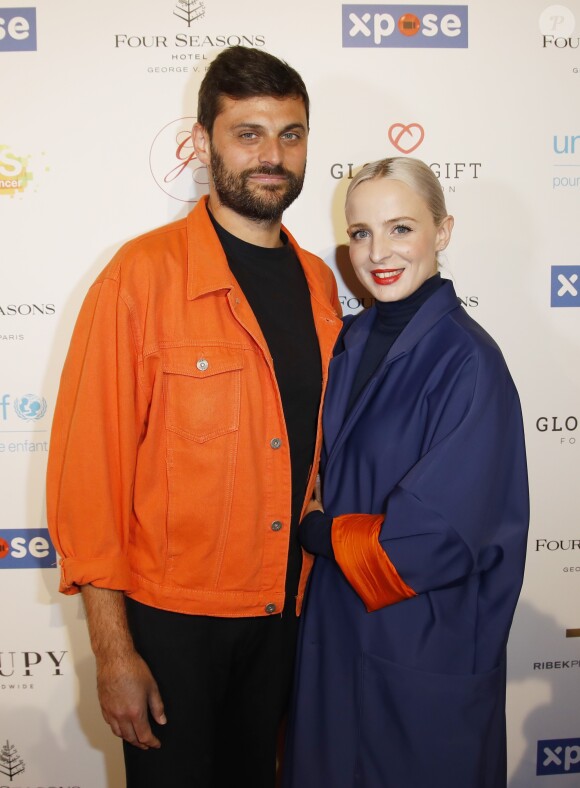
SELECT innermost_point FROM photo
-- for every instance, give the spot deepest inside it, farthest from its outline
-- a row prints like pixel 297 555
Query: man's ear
pixel 201 143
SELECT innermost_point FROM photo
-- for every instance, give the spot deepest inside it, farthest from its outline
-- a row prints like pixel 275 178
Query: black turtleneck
pixel 392 317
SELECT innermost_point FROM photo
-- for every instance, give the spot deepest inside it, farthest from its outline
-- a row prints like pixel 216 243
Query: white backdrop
pixel 96 106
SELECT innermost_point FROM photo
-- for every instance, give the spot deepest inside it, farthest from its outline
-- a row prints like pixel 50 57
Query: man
pixel 185 443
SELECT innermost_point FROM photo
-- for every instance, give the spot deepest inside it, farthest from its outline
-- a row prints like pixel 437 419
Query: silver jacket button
pixel 275 443
pixel 270 608
pixel 202 364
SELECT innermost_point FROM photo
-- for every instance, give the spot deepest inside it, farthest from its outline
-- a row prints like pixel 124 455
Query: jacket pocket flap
pixel 204 362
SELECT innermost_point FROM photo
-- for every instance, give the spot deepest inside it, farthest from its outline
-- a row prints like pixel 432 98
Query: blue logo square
pixel 26 548
pixel 403 26
pixel 565 285
pixel 17 29
pixel 558 756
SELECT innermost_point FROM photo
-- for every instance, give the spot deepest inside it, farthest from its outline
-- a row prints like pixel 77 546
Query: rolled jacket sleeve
pixel 99 419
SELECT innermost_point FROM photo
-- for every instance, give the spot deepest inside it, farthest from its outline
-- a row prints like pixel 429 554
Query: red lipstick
pixel 387 276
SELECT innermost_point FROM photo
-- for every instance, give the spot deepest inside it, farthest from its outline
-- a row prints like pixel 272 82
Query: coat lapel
pixel 337 423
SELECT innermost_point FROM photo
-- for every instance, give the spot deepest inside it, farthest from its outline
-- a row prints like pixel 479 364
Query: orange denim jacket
pixel 169 464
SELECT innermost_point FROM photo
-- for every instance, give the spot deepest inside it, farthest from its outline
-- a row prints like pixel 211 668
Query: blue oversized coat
pixel 412 695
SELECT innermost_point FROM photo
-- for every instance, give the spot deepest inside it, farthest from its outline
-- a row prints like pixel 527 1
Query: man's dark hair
pixel 240 73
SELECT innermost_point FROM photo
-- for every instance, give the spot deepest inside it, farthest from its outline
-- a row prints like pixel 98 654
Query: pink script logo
pixel 174 164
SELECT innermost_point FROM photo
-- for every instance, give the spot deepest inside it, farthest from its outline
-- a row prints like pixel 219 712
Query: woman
pixel 400 680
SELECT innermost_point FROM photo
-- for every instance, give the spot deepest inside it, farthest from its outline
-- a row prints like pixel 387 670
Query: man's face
pixel 258 155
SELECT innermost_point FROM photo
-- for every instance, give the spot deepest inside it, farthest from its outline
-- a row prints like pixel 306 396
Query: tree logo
pixel 11 763
pixel 190 10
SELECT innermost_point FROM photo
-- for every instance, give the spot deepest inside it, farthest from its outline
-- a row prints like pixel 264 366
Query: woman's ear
pixel 444 233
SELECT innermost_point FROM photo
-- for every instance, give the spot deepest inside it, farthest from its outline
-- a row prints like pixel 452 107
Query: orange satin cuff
pixel 366 566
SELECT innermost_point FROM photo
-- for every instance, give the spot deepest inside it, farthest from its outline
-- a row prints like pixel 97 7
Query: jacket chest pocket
pixel 202 395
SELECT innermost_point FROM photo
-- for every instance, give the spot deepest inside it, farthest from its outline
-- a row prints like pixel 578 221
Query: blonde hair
pixel 414 173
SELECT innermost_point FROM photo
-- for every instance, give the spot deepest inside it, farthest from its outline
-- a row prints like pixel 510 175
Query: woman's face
pixel 393 238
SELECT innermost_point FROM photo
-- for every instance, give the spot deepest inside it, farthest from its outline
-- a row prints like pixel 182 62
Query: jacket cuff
pixel 102 572
pixel 366 566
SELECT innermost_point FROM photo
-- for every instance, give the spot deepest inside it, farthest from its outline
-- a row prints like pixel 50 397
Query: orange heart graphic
pixel 404 138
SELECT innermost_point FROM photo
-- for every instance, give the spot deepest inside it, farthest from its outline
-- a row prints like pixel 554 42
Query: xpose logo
pixel 403 26
pixel 558 756
pixel 29 548
pixel 565 285
pixel 17 29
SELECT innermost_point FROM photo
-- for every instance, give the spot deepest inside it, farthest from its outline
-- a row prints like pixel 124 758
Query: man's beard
pixel 265 203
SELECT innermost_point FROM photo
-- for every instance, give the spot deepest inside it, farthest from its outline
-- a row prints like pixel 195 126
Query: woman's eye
pixel 401 229
pixel 359 235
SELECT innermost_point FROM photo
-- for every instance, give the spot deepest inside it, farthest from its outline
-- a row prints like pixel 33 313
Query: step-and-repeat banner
pixel 96 109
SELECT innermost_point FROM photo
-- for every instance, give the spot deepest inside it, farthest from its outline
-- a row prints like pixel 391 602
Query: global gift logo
pixel 406 138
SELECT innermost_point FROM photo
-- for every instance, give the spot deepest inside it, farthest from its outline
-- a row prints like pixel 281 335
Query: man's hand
pixel 313 506
pixel 127 692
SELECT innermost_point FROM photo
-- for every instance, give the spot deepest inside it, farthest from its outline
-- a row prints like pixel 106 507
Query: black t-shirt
pixel 275 285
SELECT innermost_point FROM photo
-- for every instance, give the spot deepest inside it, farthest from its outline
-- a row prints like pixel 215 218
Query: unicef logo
pixel 30 407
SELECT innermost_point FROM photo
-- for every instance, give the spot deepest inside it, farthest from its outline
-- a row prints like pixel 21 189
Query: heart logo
pixel 406 139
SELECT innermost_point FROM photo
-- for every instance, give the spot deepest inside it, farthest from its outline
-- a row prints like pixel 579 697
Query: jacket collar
pixel 208 272
pixel 207 265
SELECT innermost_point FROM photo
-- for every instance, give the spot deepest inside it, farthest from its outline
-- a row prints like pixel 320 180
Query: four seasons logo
pixel 11 763
pixel 190 10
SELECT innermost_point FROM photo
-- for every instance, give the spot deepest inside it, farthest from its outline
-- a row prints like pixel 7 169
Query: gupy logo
pixel 565 285
pixel 418 26
pixel 17 29
pixel 558 756
pixel 26 549
pixel 406 138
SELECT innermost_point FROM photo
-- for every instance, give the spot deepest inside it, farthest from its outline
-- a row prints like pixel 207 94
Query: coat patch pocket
pixel 202 394
pixel 420 729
